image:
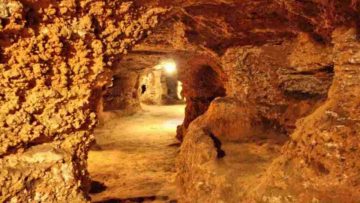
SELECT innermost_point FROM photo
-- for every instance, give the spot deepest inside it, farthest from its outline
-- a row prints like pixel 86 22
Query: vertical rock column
pixel 53 56
pixel 151 87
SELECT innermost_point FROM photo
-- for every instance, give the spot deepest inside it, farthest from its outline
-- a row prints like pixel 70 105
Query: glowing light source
pixel 169 66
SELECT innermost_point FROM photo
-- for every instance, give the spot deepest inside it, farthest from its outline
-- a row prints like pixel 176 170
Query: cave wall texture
pixel 123 93
pixel 54 56
pixel 158 87
pixel 325 144
pixel 283 67
pixel 152 93
pixel 269 88
pixel 284 82
pixel 202 83
pixel 303 84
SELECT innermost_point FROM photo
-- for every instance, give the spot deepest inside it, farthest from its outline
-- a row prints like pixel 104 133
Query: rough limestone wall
pixel 170 88
pixel 154 89
pixel 325 145
pixel 202 83
pixel 196 178
pixel 159 87
pixel 284 82
pixel 53 55
pixel 123 94
pixel 277 83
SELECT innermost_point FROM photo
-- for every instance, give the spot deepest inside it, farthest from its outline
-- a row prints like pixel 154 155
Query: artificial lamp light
pixel 169 67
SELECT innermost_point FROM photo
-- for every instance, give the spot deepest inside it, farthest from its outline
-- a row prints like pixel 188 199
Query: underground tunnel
pixel 187 101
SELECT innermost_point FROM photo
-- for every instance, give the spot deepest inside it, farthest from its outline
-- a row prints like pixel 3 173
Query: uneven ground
pixel 135 156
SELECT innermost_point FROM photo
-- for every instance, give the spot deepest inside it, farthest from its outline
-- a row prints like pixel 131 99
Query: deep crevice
pixel 217 144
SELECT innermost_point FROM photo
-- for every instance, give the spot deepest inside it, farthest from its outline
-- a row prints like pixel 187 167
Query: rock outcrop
pixel 284 82
pixel 269 88
pixel 53 59
pixel 305 87
pixel 324 146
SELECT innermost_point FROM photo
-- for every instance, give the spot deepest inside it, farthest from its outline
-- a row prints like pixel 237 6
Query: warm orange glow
pixel 170 67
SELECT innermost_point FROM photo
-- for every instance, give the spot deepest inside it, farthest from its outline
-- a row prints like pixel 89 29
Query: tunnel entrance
pixel 285 130
pixel 201 86
pixel 143 89
pixel 136 151
pixel 143 119
pixel 158 87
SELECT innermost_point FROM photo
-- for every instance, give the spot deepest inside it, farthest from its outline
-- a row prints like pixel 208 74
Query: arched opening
pixel 200 87
pixel 285 130
pixel 143 89
pixel 170 100
pixel 141 144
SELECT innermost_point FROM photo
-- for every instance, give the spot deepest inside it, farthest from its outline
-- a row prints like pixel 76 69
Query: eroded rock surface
pixel 325 144
pixel 284 82
pixel 279 65
pixel 53 58
pixel 274 87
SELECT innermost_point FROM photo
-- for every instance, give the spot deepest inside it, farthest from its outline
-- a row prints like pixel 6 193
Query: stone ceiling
pixel 216 25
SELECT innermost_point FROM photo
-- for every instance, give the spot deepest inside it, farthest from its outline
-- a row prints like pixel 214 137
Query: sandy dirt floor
pixel 134 156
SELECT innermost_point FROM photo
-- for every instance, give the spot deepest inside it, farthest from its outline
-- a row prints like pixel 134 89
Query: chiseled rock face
pixel 219 158
pixel 229 119
pixel 53 56
pixel 319 163
pixel 195 166
pixel 283 81
pixel 265 29
pixel 123 93
pixel 44 173
pixel 325 145
pixel 203 81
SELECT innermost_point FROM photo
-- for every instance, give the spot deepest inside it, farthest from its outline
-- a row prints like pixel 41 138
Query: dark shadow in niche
pixel 217 144
pixel 143 89
pixel 97 187
pixel 323 75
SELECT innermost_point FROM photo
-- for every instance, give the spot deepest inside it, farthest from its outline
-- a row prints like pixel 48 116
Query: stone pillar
pixel 151 88
pixel 53 57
